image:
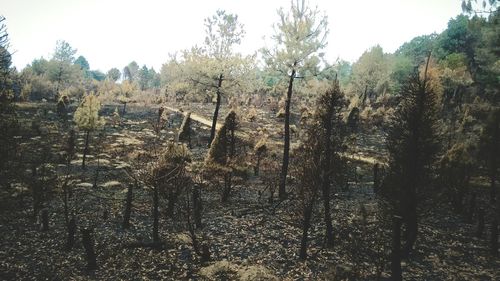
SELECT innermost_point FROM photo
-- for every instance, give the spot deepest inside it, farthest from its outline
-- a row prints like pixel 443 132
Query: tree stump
pixel 128 207
pixel 205 253
pixel 88 245
pixel 44 214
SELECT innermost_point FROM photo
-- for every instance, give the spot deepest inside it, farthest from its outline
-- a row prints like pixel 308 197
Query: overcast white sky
pixel 111 33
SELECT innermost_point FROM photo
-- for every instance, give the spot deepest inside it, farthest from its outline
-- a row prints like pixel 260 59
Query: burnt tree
pixel 412 144
pixel 331 134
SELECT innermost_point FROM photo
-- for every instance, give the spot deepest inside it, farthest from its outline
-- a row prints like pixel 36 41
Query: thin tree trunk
pixel 216 112
pixel 128 207
pixel 44 219
pixel 365 95
pixel 86 149
pixel 396 272
pixel 472 207
pixel 124 108
pixel 155 215
pixel 197 206
pixel 66 207
pixel 286 149
pixel 493 191
pixel 228 177
pixel 172 199
pixel 59 78
pixel 257 166
pixel 35 192
pixel 376 177
pixel 326 174
pixel 227 188
pixel 411 229
pixel 494 229
pixel 480 223
pixel 96 176
pixel 494 236
pixel 71 226
pixel 305 230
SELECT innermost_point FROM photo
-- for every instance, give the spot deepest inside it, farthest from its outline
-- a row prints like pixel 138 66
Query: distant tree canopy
pixel 8 119
pixel 371 73
pixel 5 62
pixel 63 52
pixel 479 6
pixel 82 62
pixel 114 74
pixel 464 57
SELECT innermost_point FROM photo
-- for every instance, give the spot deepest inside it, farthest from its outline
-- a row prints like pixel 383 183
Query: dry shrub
pixel 379 116
pixel 281 113
pixel 221 270
pixel 305 114
pixel 353 102
pixel 281 108
pixel 252 114
pixel 184 134
pixel 366 113
pixel 255 272
pixel 225 270
pixel 148 98
pixel 389 112
pixel 224 161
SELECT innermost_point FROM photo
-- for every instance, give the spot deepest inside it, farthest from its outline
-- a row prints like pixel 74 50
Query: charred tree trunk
pixel 172 200
pixel 71 226
pixel 35 192
pixel 88 245
pixel 156 215
pixel 227 187
pixel 376 177
pixel 128 207
pixel 480 223
pixel 396 272
pixel 65 201
pixel 257 166
pixel 493 191
pixel 286 148
pixel 96 175
pixel 197 206
pixel 306 224
pixel 494 236
pixel 216 112
pixel 365 95
pixel 411 229
pixel 326 180
pixel 494 229
pixel 44 214
pixel 472 207
pixel 205 253
pixel 86 149
pixel 124 108
pixel 228 177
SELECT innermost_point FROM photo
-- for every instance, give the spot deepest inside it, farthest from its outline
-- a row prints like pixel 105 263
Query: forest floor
pixel 248 237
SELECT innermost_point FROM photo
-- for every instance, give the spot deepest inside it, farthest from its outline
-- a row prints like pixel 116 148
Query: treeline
pixel 463 64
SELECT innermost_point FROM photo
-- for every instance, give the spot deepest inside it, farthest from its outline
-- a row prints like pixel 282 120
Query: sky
pixel 112 33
